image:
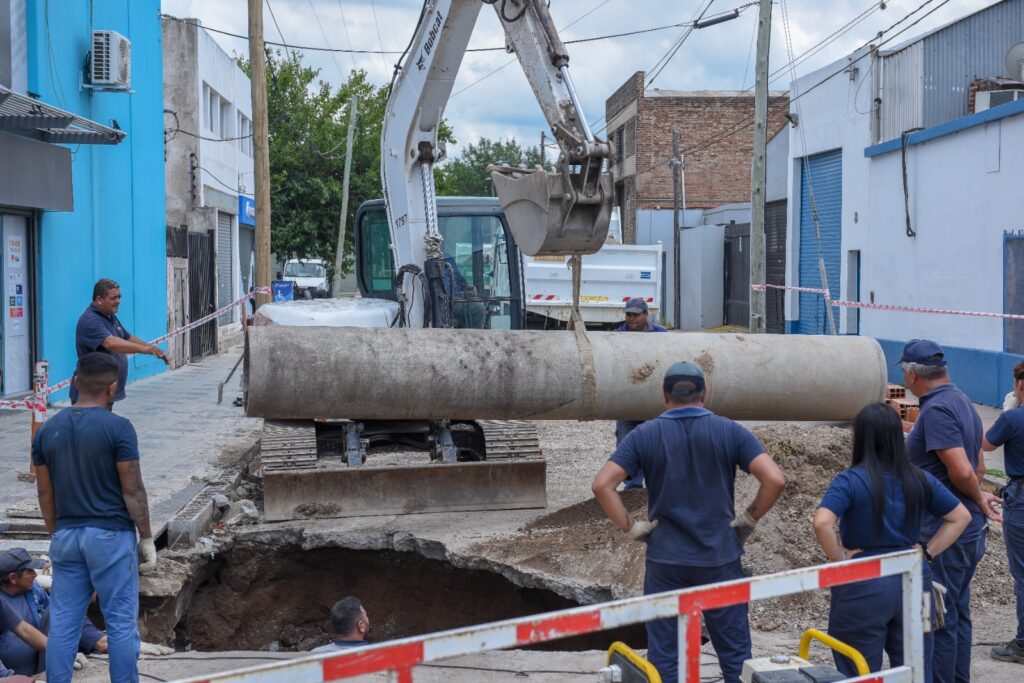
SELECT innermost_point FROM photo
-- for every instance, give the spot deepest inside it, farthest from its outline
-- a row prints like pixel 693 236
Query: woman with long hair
pixel 880 502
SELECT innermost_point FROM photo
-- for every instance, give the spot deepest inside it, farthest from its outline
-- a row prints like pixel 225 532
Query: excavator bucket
pixel 547 217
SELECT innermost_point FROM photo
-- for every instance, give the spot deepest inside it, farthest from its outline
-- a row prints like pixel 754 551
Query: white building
pixel 209 183
pixel 943 230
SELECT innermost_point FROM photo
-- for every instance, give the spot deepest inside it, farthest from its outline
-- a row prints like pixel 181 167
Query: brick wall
pixel 719 173
pixel 627 92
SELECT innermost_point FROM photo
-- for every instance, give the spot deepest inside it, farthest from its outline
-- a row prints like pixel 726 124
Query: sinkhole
pixel 261 597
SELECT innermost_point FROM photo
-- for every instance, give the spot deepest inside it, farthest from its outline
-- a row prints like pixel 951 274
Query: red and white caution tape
pixel 38 402
pixel 841 303
pixel 401 656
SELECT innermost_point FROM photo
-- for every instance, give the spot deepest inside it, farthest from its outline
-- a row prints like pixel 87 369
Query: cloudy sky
pixel 496 102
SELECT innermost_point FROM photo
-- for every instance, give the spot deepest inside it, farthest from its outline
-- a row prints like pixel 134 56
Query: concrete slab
pixel 186 439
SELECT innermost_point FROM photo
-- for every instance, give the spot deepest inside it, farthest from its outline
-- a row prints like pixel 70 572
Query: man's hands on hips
pixel 744 526
pixel 147 556
pixel 641 530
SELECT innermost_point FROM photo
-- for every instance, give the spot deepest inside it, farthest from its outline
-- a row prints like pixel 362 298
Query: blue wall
pixel 985 376
pixel 117 227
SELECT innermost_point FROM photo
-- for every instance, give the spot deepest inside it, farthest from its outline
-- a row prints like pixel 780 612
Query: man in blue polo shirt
pixel 946 443
pixel 99 329
pixel 637 320
pixel 1008 432
pixel 689 457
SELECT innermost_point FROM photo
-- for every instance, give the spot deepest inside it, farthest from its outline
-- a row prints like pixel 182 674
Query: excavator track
pixel 298 484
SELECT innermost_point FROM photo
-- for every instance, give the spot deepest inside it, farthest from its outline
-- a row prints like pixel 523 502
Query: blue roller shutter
pixel 821 187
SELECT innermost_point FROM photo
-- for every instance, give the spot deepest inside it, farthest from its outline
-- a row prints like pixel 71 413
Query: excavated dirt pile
pixel 580 544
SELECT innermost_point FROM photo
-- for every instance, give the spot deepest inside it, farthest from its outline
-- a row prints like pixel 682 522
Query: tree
pixel 467 176
pixel 308 124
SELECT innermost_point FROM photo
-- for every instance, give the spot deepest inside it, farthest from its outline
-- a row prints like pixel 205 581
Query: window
pixel 304 269
pixel 225 120
pixel 212 101
pixel 244 135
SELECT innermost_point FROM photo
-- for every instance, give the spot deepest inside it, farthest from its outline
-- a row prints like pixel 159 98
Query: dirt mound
pixel 579 544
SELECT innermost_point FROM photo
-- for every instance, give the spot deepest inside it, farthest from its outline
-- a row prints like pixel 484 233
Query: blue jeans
pixel 954 569
pixel 727 626
pixel 868 616
pixel 1013 534
pixel 622 428
pixel 86 560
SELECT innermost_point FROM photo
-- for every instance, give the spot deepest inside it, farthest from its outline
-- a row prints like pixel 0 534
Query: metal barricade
pixel 400 656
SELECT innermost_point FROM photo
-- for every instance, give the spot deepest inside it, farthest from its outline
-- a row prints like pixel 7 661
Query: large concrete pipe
pixel 398 374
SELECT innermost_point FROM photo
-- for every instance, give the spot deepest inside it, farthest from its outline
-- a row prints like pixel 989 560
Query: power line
pixel 380 41
pixel 233 189
pixel 348 38
pixel 273 18
pixel 334 56
pixel 656 70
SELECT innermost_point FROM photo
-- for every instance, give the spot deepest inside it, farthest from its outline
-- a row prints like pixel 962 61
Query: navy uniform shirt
pixel 947 420
pixel 33 607
pixel 651 327
pixel 92 329
pixel 81 448
pixel 849 497
pixel 1008 432
pixel 689 458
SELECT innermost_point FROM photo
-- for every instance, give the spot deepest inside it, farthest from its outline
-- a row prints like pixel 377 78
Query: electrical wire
pixel 222 183
pixel 660 65
pixel 348 38
pixel 334 54
pixel 273 18
pixel 380 41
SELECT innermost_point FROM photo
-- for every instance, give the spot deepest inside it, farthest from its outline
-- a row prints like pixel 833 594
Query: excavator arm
pixel 562 212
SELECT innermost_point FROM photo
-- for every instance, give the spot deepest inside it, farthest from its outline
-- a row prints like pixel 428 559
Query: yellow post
pixel 839 646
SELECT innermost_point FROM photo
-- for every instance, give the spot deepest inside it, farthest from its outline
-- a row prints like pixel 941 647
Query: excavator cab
pixel 555 213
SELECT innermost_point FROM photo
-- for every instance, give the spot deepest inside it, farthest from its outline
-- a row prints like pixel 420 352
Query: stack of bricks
pixel 906 407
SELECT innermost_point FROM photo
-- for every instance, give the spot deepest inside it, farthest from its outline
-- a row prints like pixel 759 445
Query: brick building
pixel 640 124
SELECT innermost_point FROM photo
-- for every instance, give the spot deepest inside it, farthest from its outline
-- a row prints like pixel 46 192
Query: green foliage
pixel 467 176
pixel 308 126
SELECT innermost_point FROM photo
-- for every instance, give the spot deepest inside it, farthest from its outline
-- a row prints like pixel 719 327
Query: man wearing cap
pixel 689 457
pixel 22 595
pixel 946 442
pixel 637 320
pixel 1008 432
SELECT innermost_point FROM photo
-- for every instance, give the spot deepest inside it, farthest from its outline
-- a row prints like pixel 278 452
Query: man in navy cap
pixel 637 320
pixel 689 457
pixel 946 442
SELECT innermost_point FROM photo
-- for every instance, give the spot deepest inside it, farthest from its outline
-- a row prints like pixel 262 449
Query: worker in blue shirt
pixel 98 329
pixel 637 320
pixel 880 503
pixel 946 443
pixel 11 622
pixel 349 625
pixel 1008 432
pixel 689 457
pixel 21 593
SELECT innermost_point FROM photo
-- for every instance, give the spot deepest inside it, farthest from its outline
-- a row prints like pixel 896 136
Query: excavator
pixel 475 464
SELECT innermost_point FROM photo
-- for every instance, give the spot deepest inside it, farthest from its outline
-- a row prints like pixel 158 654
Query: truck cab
pixel 485 261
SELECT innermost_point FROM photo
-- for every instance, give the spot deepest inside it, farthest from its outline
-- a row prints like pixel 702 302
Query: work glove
pixel 939 599
pixel 641 530
pixel 1010 402
pixel 744 526
pixel 147 556
pixel 154 650
pixel 80 661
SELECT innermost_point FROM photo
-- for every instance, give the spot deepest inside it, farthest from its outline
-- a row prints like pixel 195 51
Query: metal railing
pixel 400 656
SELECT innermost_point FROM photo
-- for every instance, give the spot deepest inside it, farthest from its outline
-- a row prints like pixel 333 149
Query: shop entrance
pixel 16 328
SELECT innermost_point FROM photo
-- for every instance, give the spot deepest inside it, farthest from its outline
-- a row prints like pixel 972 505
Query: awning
pixel 27 117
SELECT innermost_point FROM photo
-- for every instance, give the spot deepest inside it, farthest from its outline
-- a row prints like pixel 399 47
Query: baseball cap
pixel 16 559
pixel 923 352
pixel 683 379
pixel 636 305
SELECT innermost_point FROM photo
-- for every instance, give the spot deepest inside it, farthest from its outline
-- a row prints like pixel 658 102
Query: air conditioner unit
pixel 111 65
pixel 987 99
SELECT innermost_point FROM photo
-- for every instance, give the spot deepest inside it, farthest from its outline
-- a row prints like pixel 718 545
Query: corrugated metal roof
pixel 657 92
pixel 925 82
pixel 27 117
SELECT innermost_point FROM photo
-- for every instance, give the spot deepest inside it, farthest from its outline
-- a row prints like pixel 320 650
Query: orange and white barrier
pixel 401 656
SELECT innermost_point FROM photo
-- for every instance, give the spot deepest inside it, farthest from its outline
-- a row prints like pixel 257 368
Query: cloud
pixel 502 105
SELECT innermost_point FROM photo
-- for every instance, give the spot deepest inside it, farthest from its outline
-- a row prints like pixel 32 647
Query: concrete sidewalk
pixel 185 439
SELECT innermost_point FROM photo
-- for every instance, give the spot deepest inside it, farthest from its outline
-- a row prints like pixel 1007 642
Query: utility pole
pixel 757 167
pixel 677 207
pixel 543 141
pixel 343 219
pixel 260 148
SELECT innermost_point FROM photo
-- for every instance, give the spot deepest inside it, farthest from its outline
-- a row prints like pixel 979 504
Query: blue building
pixel 81 176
